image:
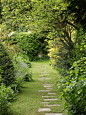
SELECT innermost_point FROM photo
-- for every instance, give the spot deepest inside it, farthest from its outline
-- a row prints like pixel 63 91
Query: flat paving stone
pixel 52 105
pixel 49 88
pixel 43 90
pixel 49 96
pixel 44 78
pixel 53 113
pixel 46 74
pixel 44 109
pixel 40 75
pixel 52 93
pixel 50 99
pixel 44 102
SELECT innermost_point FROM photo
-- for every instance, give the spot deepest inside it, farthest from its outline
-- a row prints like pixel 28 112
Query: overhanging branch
pixel 71 24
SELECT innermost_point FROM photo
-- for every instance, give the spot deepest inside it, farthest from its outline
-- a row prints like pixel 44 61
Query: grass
pixel 28 100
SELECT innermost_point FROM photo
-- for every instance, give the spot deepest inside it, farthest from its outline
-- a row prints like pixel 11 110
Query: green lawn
pixel 28 100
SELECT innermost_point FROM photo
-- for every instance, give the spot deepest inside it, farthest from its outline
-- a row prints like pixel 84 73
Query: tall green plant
pixel 8 76
pixel 74 88
pixel 6 95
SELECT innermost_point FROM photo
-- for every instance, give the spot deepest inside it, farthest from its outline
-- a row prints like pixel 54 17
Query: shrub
pixel 7 66
pixel 6 94
pixel 21 68
pixel 0 75
pixel 17 84
pixel 58 56
pixel 74 88
pixel 32 44
pixel 25 58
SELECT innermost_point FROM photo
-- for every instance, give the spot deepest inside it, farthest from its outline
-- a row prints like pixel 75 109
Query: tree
pixel 15 13
pixel 0 10
pixel 48 14
pixel 77 9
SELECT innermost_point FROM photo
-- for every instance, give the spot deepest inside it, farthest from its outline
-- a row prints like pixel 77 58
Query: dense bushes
pixel 15 70
pixel 74 88
pixel 21 65
pixel 32 44
pixel 7 66
pixel 59 56
pixel 72 65
pixel 6 94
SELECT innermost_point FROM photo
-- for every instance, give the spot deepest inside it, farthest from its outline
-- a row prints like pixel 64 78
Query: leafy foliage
pixel 0 75
pixel 32 44
pixel 59 56
pixel 8 76
pixel 12 11
pixel 21 68
pixel 77 9
pixel 74 86
pixel 64 23
pixel 6 94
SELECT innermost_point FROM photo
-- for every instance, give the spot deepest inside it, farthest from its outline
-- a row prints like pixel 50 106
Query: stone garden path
pixel 49 94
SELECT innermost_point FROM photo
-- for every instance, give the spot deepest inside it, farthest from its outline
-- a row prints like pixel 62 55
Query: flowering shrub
pixel 21 68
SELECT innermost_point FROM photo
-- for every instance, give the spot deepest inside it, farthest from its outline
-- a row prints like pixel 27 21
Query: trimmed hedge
pixel 7 67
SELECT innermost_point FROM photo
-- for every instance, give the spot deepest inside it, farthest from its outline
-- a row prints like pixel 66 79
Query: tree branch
pixel 72 24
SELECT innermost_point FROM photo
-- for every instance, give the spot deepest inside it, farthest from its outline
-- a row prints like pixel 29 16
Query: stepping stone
pixel 48 84
pixel 44 109
pixel 50 99
pixel 46 74
pixel 44 102
pixel 49 96
pixel 44 78
pixel 43 90
pixel 53 113
pixel 52 105
pixel 52 93
pixel 40 75
pixel 49 88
